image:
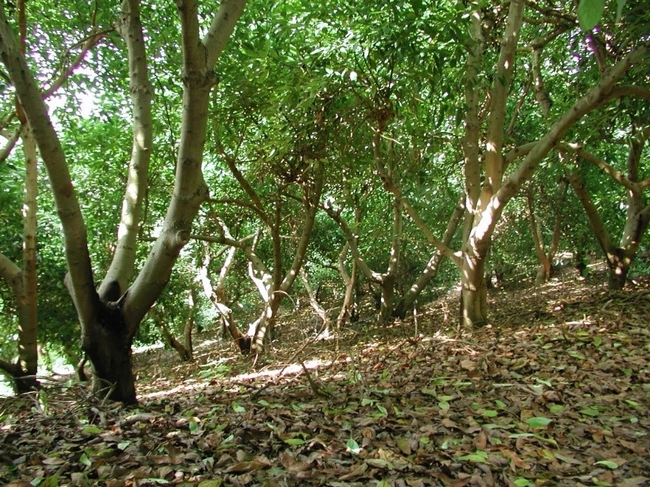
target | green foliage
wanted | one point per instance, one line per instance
(590, 12)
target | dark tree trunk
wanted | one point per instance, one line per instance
(26, 383)
(23, 381)
(108, 345)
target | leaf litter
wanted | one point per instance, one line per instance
(554, 393)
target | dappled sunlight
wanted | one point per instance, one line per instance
(190, 385)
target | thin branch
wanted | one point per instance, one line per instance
(611, 171)
(11, 143)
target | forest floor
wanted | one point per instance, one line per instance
(556, 392)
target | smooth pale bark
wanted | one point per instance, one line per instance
(475, 249)
(23, 281)
(323, 330)
(351, 239)
(25, 369)
(348, 310)
(28, 324)
(385, 164)
(122, 265)
(216, 293)
(470, 142)
(496, 192)
(74, 230)
(275, 283)
(473, 304)
(160, 320)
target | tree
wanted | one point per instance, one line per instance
(110, 315)
(619, 256)
(24, 281)
(486, 199)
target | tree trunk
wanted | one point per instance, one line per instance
(545, 268)
(24, 282)
(348, 308)
(618, 264)
(108, 345)
(431, 269)
(473, 298)
(387, 286)
(183, 351)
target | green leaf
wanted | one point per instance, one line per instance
(84, 460)
(489, 413)
(294, 441)
(500, 404)
(352, 446)
(211, 483)
(123, 445)
(538, 422)
(91, 430)
(608, 463)
(620, 5)
(238, 408)
(556, 408)
(522, 482)
(194, 426)
(52, 481)
(593, 412)
(575, 354)
(478, 456)
(589, 13)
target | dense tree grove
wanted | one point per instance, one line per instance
(174, 166)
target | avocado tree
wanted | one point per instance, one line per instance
(111, 314)
(492, 174)
(619, 255)
(23, 281)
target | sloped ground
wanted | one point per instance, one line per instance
(554, 393)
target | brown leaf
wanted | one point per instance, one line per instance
(516, 461)
(633, 482)
(468, 364)
(250, 466)
(480, 441)
(630, 445)
(356, 472)
(292, 465)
